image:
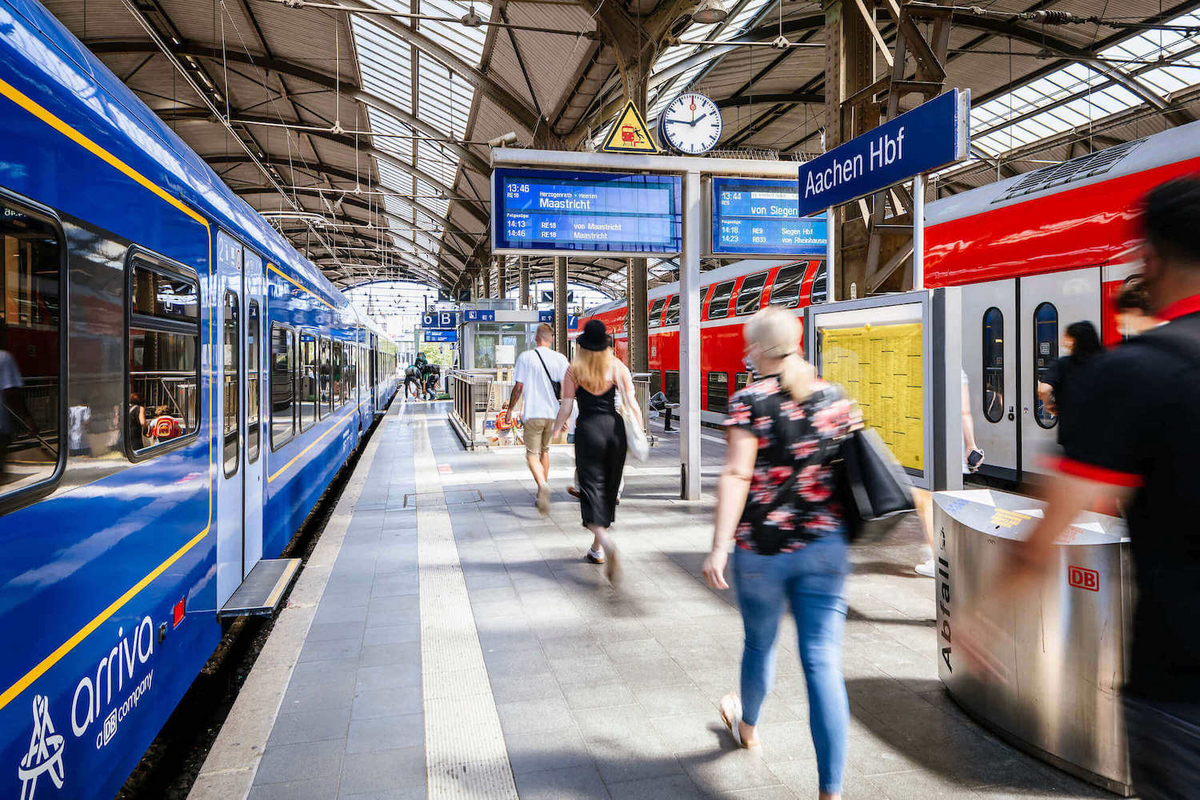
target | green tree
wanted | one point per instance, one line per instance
(438, 353)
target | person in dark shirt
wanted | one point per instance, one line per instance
(1138, 415)
(1082, 343)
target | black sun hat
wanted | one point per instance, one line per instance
(594, 336)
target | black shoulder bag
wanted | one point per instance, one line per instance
(555, 385)
(875, 491)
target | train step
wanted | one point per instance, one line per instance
(262, 590)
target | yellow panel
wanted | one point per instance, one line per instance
(880, 367)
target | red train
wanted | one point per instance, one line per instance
(1032, 254)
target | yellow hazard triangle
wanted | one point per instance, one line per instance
(629, 134)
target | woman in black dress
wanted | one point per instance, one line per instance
(1055, 383)
(593, 381)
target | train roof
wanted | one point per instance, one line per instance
(723, 273)
(164, 158)
(1128, 158)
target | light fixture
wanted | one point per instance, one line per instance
(710, 12)
(507, 140)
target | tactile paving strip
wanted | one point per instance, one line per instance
(465, 755)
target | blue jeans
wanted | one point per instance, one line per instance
(810, 580)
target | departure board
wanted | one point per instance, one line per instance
(585, 213)
(753, 216)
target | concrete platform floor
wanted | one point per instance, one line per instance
(462, 648)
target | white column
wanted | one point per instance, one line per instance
(689, 340)
(918, 257)
(830, 251)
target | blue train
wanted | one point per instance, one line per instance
(179, 388)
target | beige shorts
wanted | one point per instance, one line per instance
(538, 433)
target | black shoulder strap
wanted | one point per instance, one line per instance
(544, 367)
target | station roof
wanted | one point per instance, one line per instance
(360, 127)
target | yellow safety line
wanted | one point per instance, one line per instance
(316, 441)
(62, 127)
(297, 284)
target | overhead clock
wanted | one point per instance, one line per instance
(691, 124)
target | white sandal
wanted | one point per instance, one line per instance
(731, 715)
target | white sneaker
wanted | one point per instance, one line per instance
(925, 569)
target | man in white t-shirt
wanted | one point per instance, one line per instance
(538, 377)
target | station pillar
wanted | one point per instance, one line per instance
(501, 276)
(689, 341)
(560, 305)
(523, 290)
(636, 324)
(485, 279)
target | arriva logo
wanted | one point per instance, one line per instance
(45, 751)
(93, 699)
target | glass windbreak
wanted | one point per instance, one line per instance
(655, 316)
(785, 291)
(1045, 352)
(672, 317)
(993, 365)
(253, 382)
(283, 421)
(29, 350)
(718, 307)
(231, 380)
(308, 380)
(750, 295)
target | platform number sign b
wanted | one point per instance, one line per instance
(439, 320)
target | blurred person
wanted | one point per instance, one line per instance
(135, 428)
(11, 384)
(538, 376)
(1139, 432)
(777, 502)
(412, 381)
(972, 459)
(1133, 308)
(592, 382)
(1056, 389)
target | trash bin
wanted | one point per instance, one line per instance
(1042, 670)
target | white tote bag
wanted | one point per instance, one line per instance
(635, 437)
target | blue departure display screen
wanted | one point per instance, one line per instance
(586, 212)
(755, 216)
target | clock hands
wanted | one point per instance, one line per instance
(692, 123)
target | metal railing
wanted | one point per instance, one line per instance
(469, 404)
(641, 388)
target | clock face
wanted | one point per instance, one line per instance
(691, 124)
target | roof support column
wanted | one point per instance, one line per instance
(523, 288)
(501, 275)
(560, 305)
(485, 278)
(689, 341)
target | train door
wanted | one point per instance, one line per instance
(253, 462)
(230, 366)
(1049, 303)
(989, 335)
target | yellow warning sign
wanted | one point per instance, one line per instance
(629, 134)
(880, 367)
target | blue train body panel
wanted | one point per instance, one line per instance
(95, 570)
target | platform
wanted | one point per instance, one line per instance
(446, 640)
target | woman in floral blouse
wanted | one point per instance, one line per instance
(778, 502)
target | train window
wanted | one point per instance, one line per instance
(231, 379)
(283, 388)
(335, 371)
(1045, 352)
(325, 390)
(308, 380)
(785, 291)
(253, 382)
(750, 295)
(671, 387)
(718, 306)
(163, 357)
(672, 312)
(740, 381)
(718, 392)
(993, 365)
(655, 317)
(32, 257)
(703, 295)
(820, 286)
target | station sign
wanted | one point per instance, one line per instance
(439, 319)
(479, 315)
(548, 317)
(445, 337)
(550, 212)
(931, 136)
(760, 217)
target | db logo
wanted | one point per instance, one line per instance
(1083, 578)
